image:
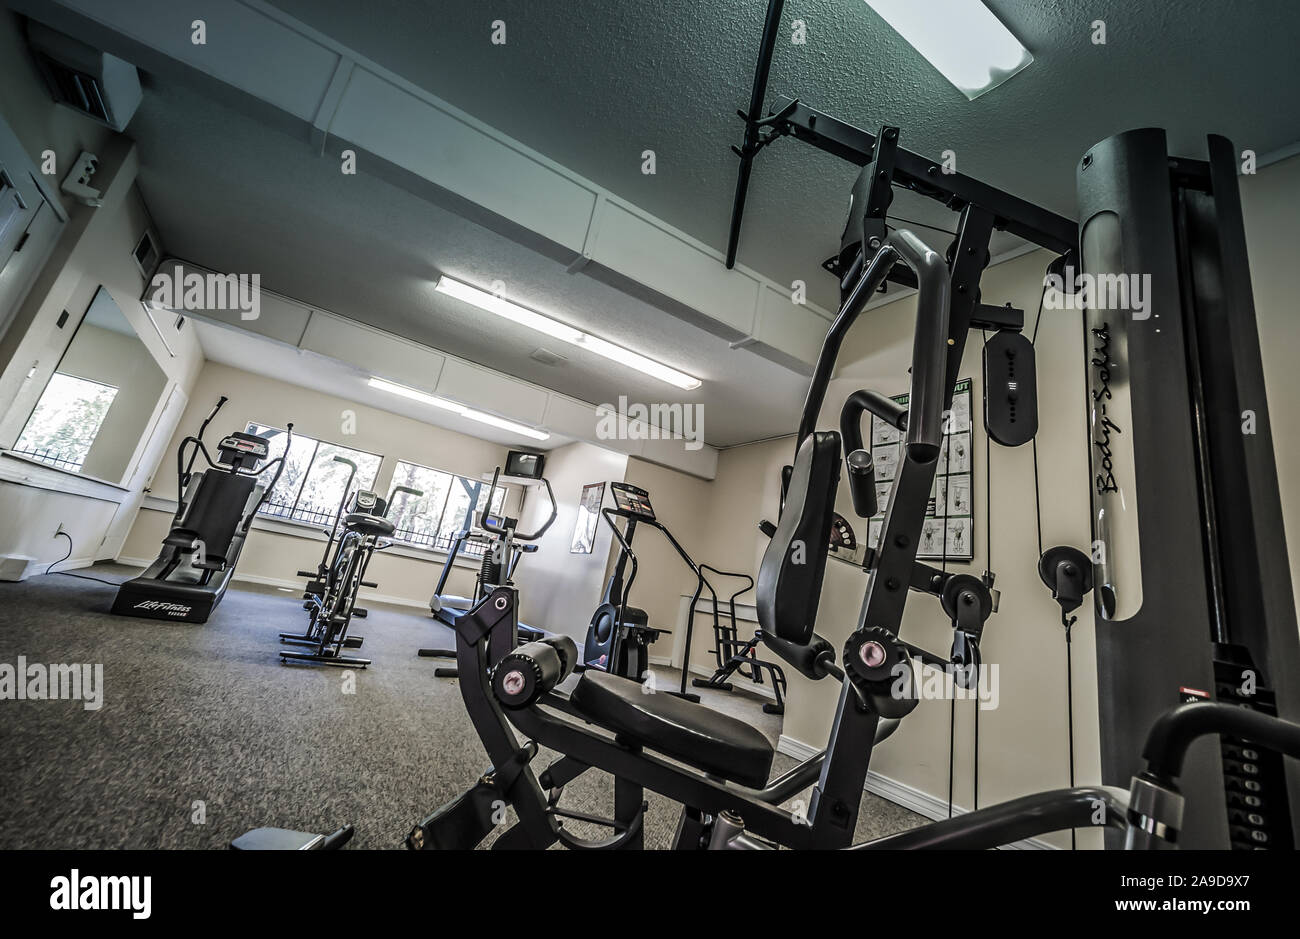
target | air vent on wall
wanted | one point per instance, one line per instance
(146, 254)
(85, 79)
(546, 356)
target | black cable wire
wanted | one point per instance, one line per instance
(952, 743)
(988, 566)
(70, 573)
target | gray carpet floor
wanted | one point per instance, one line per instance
(204, 733)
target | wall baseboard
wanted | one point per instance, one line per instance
(909, 797)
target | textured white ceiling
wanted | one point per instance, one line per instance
(251, 353)
(231, 194)
(593, 83)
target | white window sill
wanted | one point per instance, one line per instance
(294, 528)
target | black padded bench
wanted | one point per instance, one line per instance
(706, 739)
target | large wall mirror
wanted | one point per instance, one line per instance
(97, 405)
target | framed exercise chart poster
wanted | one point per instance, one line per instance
(948, 529)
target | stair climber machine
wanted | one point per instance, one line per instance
(331, 595)
(213, 515)
(503, 545)
(619, 635)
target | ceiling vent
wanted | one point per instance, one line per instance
(546, 356)
(97, 84)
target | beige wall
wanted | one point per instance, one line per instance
(559, 591)
(274, 553)
(1271, 204)
(123, 362)
(680, 502)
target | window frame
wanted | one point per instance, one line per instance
(310, 463)
(468, 549)
(58, 462)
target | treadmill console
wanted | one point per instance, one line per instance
(633, 500)
(242, 450)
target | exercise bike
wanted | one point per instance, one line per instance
(331, 595)
(214, 510)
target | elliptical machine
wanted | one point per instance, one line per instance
(620, 635)
(213, 514)
(331, 596)
(503, 546)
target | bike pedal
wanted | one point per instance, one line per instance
(360, 613)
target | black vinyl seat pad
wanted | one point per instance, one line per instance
(368, 524)
(700, 736)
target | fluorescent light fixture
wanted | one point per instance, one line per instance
(961, 38)
(557, 330)
(414, 395)
(455, 408)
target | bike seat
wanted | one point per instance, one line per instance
(368, 524)
(700, 736)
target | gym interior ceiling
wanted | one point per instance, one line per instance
(234, 193)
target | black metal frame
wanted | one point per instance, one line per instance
(333, 605)
(497, 565)
(154, 594)
(1215, 590)
(736, 656)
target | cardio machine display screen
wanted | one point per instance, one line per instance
(632, 499)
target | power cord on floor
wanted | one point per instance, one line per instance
(50, 569)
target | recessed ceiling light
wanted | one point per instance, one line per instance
(961, 38)
(456, 408)
(557, 330)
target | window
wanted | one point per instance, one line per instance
(432, 522)
(312, 484)
(66, 421)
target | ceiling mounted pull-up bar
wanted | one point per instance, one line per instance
(753, 124)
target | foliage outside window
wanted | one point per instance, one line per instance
(66, 421)
(312, 484)
(447, 507)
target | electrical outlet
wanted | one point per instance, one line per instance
(60, 530)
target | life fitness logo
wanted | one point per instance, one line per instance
(171, 609)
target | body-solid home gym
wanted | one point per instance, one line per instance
(698, 426)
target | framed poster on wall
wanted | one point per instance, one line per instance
(584, 527)
(948, 531)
